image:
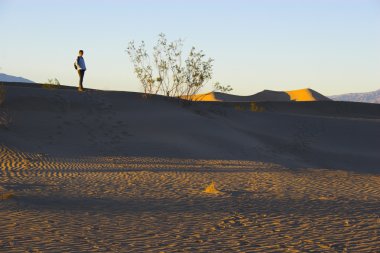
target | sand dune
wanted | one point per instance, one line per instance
(98, 122)
(263, 96)
(113, 172)
(306, 95)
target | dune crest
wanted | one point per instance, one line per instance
(301, 95)
(209, 97)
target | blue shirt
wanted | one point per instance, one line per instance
(81, 65)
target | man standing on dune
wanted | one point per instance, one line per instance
(80, 66)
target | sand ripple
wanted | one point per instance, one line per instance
(140, 204)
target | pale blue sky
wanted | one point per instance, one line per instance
(332, 46)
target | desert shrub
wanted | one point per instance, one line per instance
(222, 88)
(165, 72)
(256, 108)
(253, 107)
(51, 84)
(239, 108)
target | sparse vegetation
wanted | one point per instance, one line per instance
(221, 88)
(253, 107)
(165, 72)
(52, 84)
(239, 108)
(256, 108)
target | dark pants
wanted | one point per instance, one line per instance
(81, 76)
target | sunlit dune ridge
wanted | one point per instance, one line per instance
(300, 95)
(207, 97)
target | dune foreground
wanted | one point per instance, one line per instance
(114, 172)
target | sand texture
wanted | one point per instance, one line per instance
(113, 172)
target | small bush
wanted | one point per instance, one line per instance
(256, 108)
(239, 108)
(166, 71)
(222, 88)
(253, 107)
(51, 84)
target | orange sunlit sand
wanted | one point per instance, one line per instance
(302, 95)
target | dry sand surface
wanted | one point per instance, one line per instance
(113, 172)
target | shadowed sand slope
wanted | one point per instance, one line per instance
(263, 96)
(65, 122)
(113, 172)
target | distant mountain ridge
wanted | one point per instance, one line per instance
(15, 79)
(365, 97)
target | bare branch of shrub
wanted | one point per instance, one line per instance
(221, 88)
(165, 72)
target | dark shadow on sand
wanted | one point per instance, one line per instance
(229, 202)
